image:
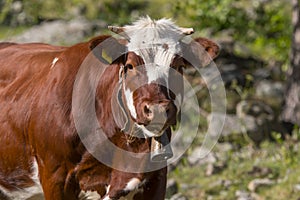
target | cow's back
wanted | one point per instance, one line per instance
(24, 68)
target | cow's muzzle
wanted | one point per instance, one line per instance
(158, 116)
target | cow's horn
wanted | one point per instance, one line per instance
(116, 29)
(187, 31)
(120, 31)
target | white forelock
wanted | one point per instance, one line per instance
(157, 42)
(148, 33)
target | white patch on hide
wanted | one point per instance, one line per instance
(53, 62)
(88, 195)
(107, 189)
(132, 184)
(34, 191)
(107, 198)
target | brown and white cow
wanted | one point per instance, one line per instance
(41, 150)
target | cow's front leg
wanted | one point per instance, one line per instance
(122, 184)
(53, 181)
(154, 187)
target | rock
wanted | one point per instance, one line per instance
(227, 183)
(254, 184)
(262, 73)
(214, 168)
(16, 7)
(224, 147)
(260, 171)
(59, 32)
(172, 188)
(254, 118)
(263, 116)
(178, 196)
(221, 183)
(254, 108)
(262, 113)
(209, 170)
(297, 188)
(267, 89)
(230, 73)
(234, 124)
(196, 157)
(243, 195)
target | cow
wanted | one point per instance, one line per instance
(42, 133)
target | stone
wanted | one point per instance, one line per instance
(256, 183)
(224, 147)
(17, 7)
(172, 188)
(230, 73)
(234, 124)
(269, 89)
(196, 157)
(262, 73)
(297, 187)
(254, 108)
(60, 32)
(214, 168)
(221, 183)
(260, 171)
(243, 195)
(253, 117)
(178, 196)
(209, 170)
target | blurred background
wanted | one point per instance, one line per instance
(257, 155)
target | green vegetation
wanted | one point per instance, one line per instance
(263, 26)
(281, 159)
(6, 31)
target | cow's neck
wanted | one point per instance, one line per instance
(104, 94)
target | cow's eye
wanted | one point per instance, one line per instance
(128, 66)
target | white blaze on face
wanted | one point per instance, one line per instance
(160, 66)
(156, 42)
(129, 101)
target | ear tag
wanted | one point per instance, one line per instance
(106, 56)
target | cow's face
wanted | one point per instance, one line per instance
(149, 96)
(151, 74)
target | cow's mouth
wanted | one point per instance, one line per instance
(160, 145)
(156, 128)
(149, 131)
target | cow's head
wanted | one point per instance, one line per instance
(151, 71)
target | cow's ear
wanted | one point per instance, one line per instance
(108, 49)
(209, 46)
(200, 52)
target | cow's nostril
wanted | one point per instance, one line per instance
(147, 110)
(148, 113)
